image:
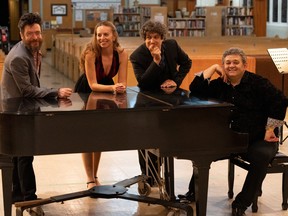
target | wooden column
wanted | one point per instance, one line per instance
(260, 17)
(190, 4)
(14, 19)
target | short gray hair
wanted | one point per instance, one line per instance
(235, 51)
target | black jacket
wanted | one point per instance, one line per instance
(150, 75)
(255, 99)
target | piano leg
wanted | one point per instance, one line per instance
(169, 176)
(117, 190)
(201, 175)
(6, 166)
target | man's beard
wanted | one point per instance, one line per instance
(33, 48)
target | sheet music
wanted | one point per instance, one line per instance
(280, 59)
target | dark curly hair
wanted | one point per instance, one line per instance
(153, 27)
(29, 19)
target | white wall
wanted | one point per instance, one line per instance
(157, 2)
(280, 30)
(205, 3)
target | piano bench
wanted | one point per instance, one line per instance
(279, 164)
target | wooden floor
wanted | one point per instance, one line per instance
(60, 174)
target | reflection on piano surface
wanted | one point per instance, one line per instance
(181, 127)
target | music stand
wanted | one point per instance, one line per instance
(280, 59)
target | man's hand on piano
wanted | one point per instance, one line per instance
(169, 90)
(168, 84)
(64, 92)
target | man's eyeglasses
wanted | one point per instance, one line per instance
(30, 34)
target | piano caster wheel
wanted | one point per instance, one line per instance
(177, 212)
(36, 211)
(144, 188)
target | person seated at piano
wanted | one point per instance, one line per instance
(259, 110)
(102, 59)
(158, 63)
(21, 78)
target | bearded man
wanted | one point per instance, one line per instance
(20, 78)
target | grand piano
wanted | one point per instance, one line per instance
(179, 126)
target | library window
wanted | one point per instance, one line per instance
(284, 11)
(277, 11)
(268, 11)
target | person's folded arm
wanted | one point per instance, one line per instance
(184, 63)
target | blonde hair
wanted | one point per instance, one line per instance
(94, 46)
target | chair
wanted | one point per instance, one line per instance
(279, 164)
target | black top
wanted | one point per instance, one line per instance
(255, 99)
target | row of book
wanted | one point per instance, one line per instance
(130, 10)
(186, 33)
(145, 11)
(239, 21)
(242, 31)
(196, 23)
(126, 18)
(239, 11)
(131, 26)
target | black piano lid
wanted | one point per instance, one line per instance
(180, 98)
(134, 98)
(78, 102)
